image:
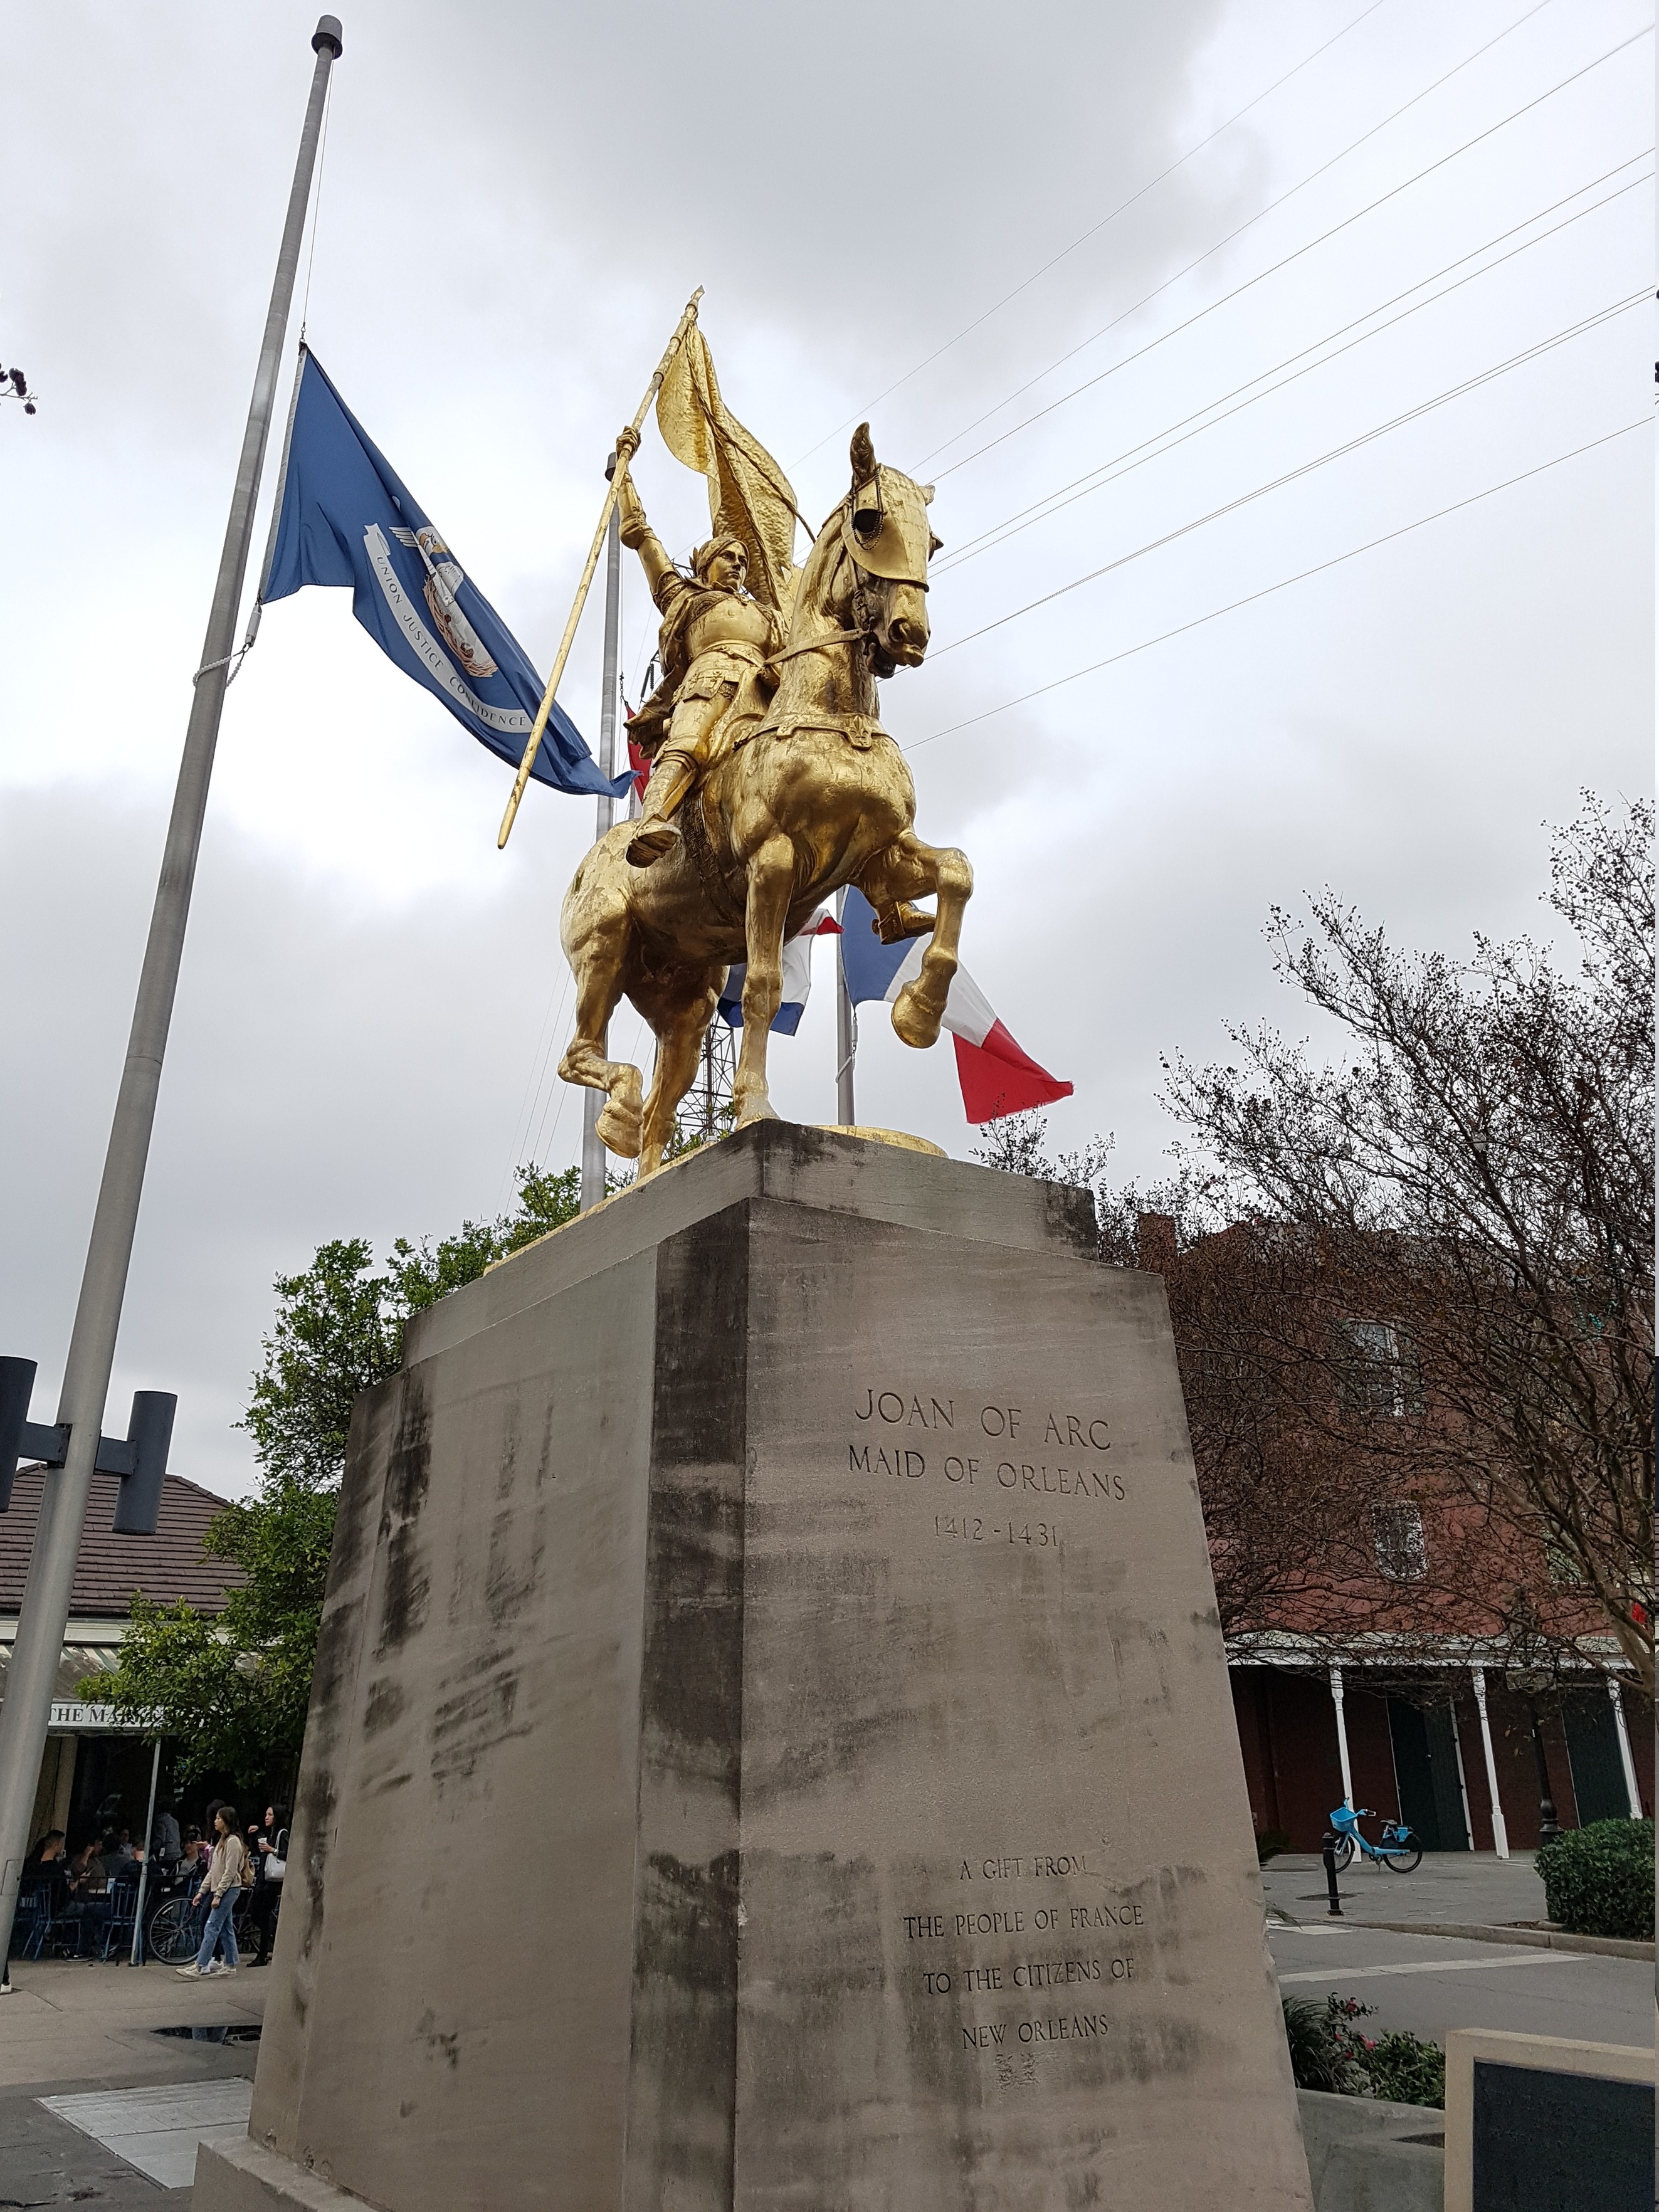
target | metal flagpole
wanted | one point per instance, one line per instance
(31, 1678)
(149, 1853)
(846, 1026)
(592, 1103)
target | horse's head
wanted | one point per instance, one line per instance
(885, 531)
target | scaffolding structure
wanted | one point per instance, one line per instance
(706, 1111)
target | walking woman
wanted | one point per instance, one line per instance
(269, 1855)
(228, 1873)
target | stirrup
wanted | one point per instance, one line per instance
(895, 922)
(650, 842)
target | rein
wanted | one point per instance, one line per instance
(864, 634)
(836, 637)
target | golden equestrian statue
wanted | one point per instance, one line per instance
(774, 782)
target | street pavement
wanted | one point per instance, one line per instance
(83, 2035)
(1431, 1983)
(1449, 1886)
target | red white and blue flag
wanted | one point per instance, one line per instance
(797, 977)
(996, 1076)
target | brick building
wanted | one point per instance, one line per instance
(1372, 1634)
(1314, 1733)
(96, 1769)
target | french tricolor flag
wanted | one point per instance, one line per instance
(996, 1076)
(797, 977)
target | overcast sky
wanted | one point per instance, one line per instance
(515, 201)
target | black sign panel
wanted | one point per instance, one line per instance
(1561, 2142)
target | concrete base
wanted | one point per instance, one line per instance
(1364, 2155)
(246, 2178)
(771, 1743)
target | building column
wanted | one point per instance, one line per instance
(68, 1746)
(1500, 1834)
(1342, 1738)
(1632, 1794)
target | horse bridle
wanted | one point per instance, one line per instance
(864, 634)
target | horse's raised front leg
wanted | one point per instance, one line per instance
(598, 956)
(908, 870)
(680, 1028)
(771, 882)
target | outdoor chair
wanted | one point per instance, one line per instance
(32, 1920)
(116, 1931)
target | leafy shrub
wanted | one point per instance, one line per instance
(1406, 2071)
(1598, 1880)
(1269, 1843)
(1328, 2052)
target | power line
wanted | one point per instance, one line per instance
(1026, 283)
(1306, 468)
(1268, 591)
(1153, 448)
(546, 1038)
(1272, 271)
(539, 1104)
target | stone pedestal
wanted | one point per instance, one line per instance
(771, 1744)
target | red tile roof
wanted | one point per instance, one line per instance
(164, 1566)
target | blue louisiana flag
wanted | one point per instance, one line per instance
(347, 520)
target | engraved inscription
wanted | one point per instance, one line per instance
(989, 1954)
(886, 1420)
(971, 1528)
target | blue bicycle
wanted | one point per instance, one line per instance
(1398, 1848)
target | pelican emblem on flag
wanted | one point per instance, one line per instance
(444, 577)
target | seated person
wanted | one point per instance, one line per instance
(86, 1873)
(46, 1871)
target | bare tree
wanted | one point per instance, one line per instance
(1470, 1192)
(1285, 1506)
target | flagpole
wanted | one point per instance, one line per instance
(32, 1675)
(589, 566)
(593, 1104)
(846, 1033)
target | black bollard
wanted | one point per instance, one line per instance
(1334, 1910)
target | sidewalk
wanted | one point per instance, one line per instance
(1450, 1888)
(81, 2033)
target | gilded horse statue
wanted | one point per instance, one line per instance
(810, 794)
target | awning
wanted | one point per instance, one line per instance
(70, 1712)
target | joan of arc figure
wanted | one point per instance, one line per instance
(715, 644)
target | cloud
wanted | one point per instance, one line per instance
(514, 205)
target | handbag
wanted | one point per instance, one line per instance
(276, 1859)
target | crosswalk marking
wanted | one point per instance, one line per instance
(1522, 1957)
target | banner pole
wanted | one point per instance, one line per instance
(592, 1103)
(589, 567)
(32, 1675)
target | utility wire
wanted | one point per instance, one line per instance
(1306, 468)
(1166, 441)
(559, 1088)
(532, 1089)
(1283, 584)
(317, 203)
(1324, 237)
(1026, 283)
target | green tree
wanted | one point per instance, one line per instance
(234, 1687)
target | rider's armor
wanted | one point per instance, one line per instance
(714, 644)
